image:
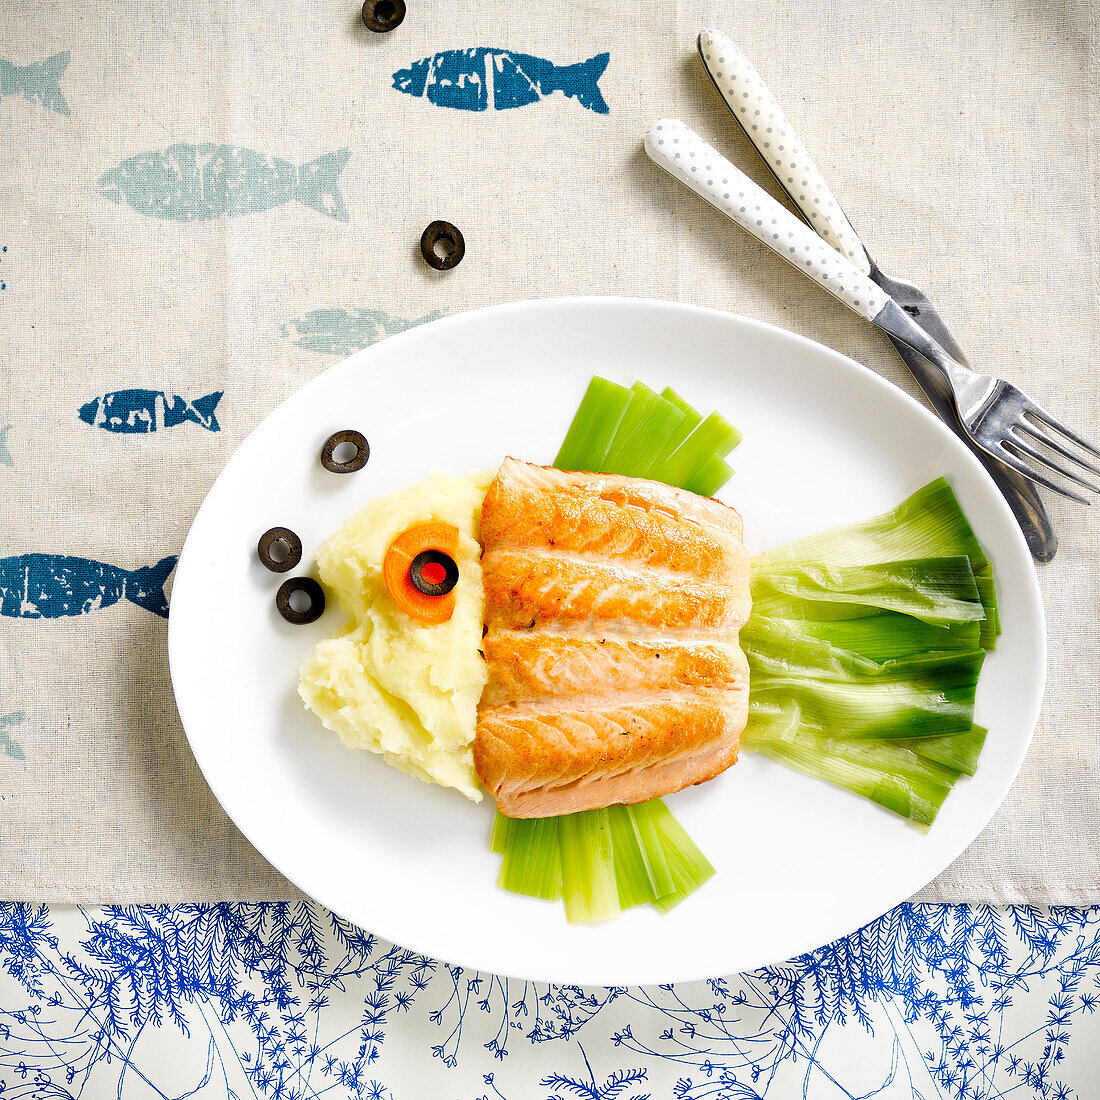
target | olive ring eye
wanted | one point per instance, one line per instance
(279, 549)
(442, 246)
(381, 16)
(433, 573)
(309, 605)
(347, 440)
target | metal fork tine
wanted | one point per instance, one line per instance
(1002, 453)
(1046, 460)
(1040, 414)
(1054, 445)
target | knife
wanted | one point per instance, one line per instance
(759, 115)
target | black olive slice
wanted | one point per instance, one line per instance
(440, 560)
(442, 246)
(279, 549)
(381, 16)
(312, 591)
(358, 460)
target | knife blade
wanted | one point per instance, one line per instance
(759, 115)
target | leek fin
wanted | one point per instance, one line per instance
(594, 425)
(588, 882)
(532, 859)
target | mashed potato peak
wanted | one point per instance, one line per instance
(387, 683)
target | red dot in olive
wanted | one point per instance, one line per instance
(434, 573)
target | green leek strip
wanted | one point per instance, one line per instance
(929, 523)
(991, 628)
(893, 637)
(587, 867)
(786, 647)
(532, 859)
(673, 398)
(648, 420)
(501, 836)
(662, 450)
(715, 437)
(688, 866)
(594, 425)
(709, 476)
(653, 848)
(942, 703)
(885, 772)
(958, 750)
(636, 879)
(935, 590)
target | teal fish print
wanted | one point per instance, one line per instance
(38, 83)
(483, 77)
(342, 331)
(8, 744)
(5, 454)
(140, 411)
(48, 586)
(199, 182)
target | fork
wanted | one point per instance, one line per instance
(997, 417)
(754, 108)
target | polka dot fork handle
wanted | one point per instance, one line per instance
(685, 155)
(758, 113)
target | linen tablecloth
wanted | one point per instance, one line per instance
(960, 138)
(204, 206)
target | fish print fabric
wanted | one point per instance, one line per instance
(481, 78)
(49, 586)
(199, 182)
(342, 331)
(8, 744)
(130, 411)
(38, 83)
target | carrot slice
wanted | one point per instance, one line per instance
(431, 535)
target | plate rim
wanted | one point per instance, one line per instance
(684, 309)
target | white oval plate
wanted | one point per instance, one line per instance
(799, 863)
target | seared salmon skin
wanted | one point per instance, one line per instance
(612, 610)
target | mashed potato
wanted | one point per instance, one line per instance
(387, 683)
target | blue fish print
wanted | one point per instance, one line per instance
(8, 744)
(48, 586)
(37, 83)
(342, 331)
(199, 182)
(5, 454)
(482, 77)
(129, 411)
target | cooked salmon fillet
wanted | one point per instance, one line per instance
(612, 607)
(525, 666)
(543, 761)
(529, 588)
(569, 517)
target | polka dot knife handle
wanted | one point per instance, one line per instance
(685, 155)
(760, 116)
